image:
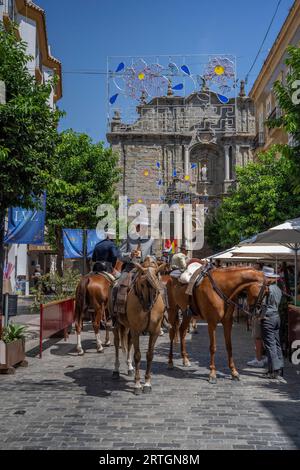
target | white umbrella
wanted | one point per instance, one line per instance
(287, 235)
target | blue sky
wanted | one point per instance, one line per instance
(82, 33)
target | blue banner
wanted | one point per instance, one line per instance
(73, 243)
(26, 226)
(92, 240)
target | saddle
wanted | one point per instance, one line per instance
(188, 273)
(120, 296)
(197, 278)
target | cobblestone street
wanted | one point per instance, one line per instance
(66, 401)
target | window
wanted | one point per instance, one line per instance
(11, 9)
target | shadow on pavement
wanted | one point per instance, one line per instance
(98, 382)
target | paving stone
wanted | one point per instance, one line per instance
(72, 402)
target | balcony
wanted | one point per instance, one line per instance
(259, 140)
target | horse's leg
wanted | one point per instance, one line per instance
(99, 310)
(194, 326)
(212, 349)
(173, 320)
(116, 372)
(137, 361)
(183, 331)
(227, 325)
(152, 340)
(107, 340)
(78, 327)
(130, 367)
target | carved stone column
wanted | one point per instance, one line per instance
(186, 161)
(227, 163)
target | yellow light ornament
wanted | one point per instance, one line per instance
(141, 76)
(187, 178)
(219, 70)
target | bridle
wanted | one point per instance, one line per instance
(228, 301)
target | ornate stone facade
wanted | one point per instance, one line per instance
(183, 149)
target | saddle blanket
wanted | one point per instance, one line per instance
(185, 277)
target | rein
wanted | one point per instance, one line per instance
(228, 301)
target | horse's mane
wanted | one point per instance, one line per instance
(236, 268)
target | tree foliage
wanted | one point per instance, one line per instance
(262, 199)
(288, 99)
(84, 177)
(27, 128)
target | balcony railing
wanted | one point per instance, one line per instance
(259, 140)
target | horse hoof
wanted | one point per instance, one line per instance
(195, 332)
(100, 351)
(147, 389)
(116, 375)
(187, 364)
(80, 352)
(130, 373)
(170, 366)
(212, 380)
(236, 378)
(106, 345)
(137, 391)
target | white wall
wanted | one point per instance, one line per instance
(48, 75)
(27, 29)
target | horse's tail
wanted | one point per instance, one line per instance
(177, 326)
(81, 304)
(123, 335)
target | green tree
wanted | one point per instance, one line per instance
(262, 199)
(288, 99)
(27, 132)
(84, 176)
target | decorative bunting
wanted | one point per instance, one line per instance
(113, 98)
(185, 69)
(120, 67)
(178, 87)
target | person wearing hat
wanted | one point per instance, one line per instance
(137, 248)
(106, 253)
(270, 323)
(179, 260)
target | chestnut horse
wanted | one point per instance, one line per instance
(144, 313)
(92, 293)
(209, 305)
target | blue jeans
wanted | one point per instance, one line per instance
(270, 335)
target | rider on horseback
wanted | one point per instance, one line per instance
(106, 253)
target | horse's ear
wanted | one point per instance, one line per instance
(161, 268)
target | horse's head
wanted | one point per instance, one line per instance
(256, 291)
(147, 283)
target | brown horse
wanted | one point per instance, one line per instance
(208, 305)
(144, 313)
(92, 293)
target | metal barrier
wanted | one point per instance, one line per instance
(55, 317)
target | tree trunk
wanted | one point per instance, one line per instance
(2, 224)
(60, 250)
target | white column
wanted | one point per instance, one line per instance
(238, 156)
(226, 147)
(186, 161)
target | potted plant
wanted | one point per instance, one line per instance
(12, 348)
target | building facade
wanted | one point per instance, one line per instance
(183, 149)
(274, 68)
(30, 23)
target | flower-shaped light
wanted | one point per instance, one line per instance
(221, 72)
(144, 78)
